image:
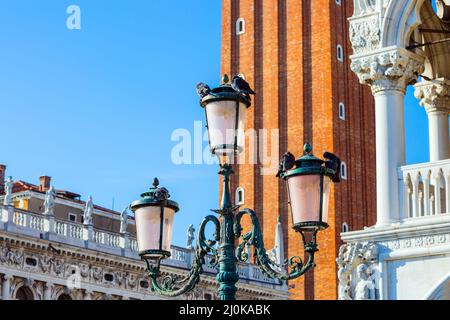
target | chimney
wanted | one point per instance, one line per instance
(2, 178)
(44, 183)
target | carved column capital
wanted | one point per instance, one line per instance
(49, 286)
(8, 277)
(434, 95)
(394, 69)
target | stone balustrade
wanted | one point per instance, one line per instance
(426, 189)
(50, 228)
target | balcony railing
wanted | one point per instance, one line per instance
(426, 189)
(76, 234)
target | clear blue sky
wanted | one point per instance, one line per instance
(95, 108)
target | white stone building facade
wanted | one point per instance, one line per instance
(47, 258)
(406, 255)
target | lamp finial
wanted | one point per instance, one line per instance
(307, 148)
(225, 79)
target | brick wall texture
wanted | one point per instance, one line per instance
(288, 54)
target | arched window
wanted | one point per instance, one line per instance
(343, 170)
(64, 297)
(345, 227)
(341, 111)
(240, 26)
(340, 53)
(24, 293)
(239, 196)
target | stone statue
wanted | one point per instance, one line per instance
(364, 289)
(344, 271)
(190, 236)
(7, 201)
(49, 202)
(124, 220)
(88, 209)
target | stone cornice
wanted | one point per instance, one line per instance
(431, 226)
(388, 69)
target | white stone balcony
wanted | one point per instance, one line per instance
(426, 189)
(36, 225)
(408, 258)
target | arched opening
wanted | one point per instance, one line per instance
(239, 196)
(340, 53)
(341, 111)
(441, 291)
(345, 227)
(24, 293)
(64, 297)
(240, 26)
(343, 170)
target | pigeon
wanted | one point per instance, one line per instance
(287, 163)
(203, 90)
(240, 85)
(334, 163)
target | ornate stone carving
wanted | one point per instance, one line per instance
(44, 263)
(365, 287)
(357, 271)
(417, 242)
(84, 270)
(196, 294)
(15, 257)
(57, 266)
(390, 70)
(365, 35)
(3, 253)
(131, 281)
(120, 277)
(363, 7)
(434, 95)
(97, 274)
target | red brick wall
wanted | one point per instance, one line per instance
(288, 54)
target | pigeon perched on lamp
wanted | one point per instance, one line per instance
(334, 163)
(287, 163)
(203, 90)
(240, 85)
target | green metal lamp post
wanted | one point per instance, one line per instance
(308, 182)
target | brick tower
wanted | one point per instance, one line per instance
(295, 54)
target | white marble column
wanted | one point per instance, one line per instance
(6, 286)
(88, 295)
(434, 96)
(48, 288)
(388, 74)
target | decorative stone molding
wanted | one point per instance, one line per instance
(88, 274)
(394, 69)
(363, 7)
(417, 242)
(357, 263)
(365, 35)
(434, 95)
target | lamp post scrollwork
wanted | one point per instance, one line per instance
(308, 181)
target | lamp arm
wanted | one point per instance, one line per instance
(294, 265)
(172, 286)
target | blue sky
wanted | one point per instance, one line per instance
(95, 108)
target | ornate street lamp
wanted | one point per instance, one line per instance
(225, 118)
(308, 180)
